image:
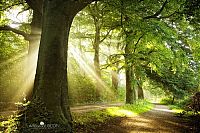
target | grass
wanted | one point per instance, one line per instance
(98, 117)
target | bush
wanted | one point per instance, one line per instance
(30, 119)
(166, 101)
(194, 105)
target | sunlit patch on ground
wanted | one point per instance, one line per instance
(116, 111)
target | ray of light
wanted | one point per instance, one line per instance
(88, 69)
(13, 59)
(28, 75)
(18, 78)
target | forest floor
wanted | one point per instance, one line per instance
(159, 120)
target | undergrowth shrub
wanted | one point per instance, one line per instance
(167, 101)
(81, 90)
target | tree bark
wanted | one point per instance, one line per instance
(130, 91)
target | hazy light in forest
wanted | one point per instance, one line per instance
(18, 77)
(89, 70)
(30, 71)
(28, 76)
(13, 59)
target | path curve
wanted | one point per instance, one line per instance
(159, 120)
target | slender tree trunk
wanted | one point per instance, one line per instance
(51, 76)
(96, 58)
(139, 88)
(115, 80)
(97, 24)
(130, 92)
(96, 48)
(140, 92)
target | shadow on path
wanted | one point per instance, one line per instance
(158, 120)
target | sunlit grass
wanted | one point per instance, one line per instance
(177, 110)
(117, 111)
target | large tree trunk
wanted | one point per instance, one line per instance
(51, 76)
(50, 84)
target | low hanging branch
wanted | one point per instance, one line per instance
(19, 32)
(158, 12)
(138, 42)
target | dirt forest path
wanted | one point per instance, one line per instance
(158, 120)
(93, 107)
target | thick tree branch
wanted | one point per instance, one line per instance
(19, 32)
(158, 12)
(36, 5)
